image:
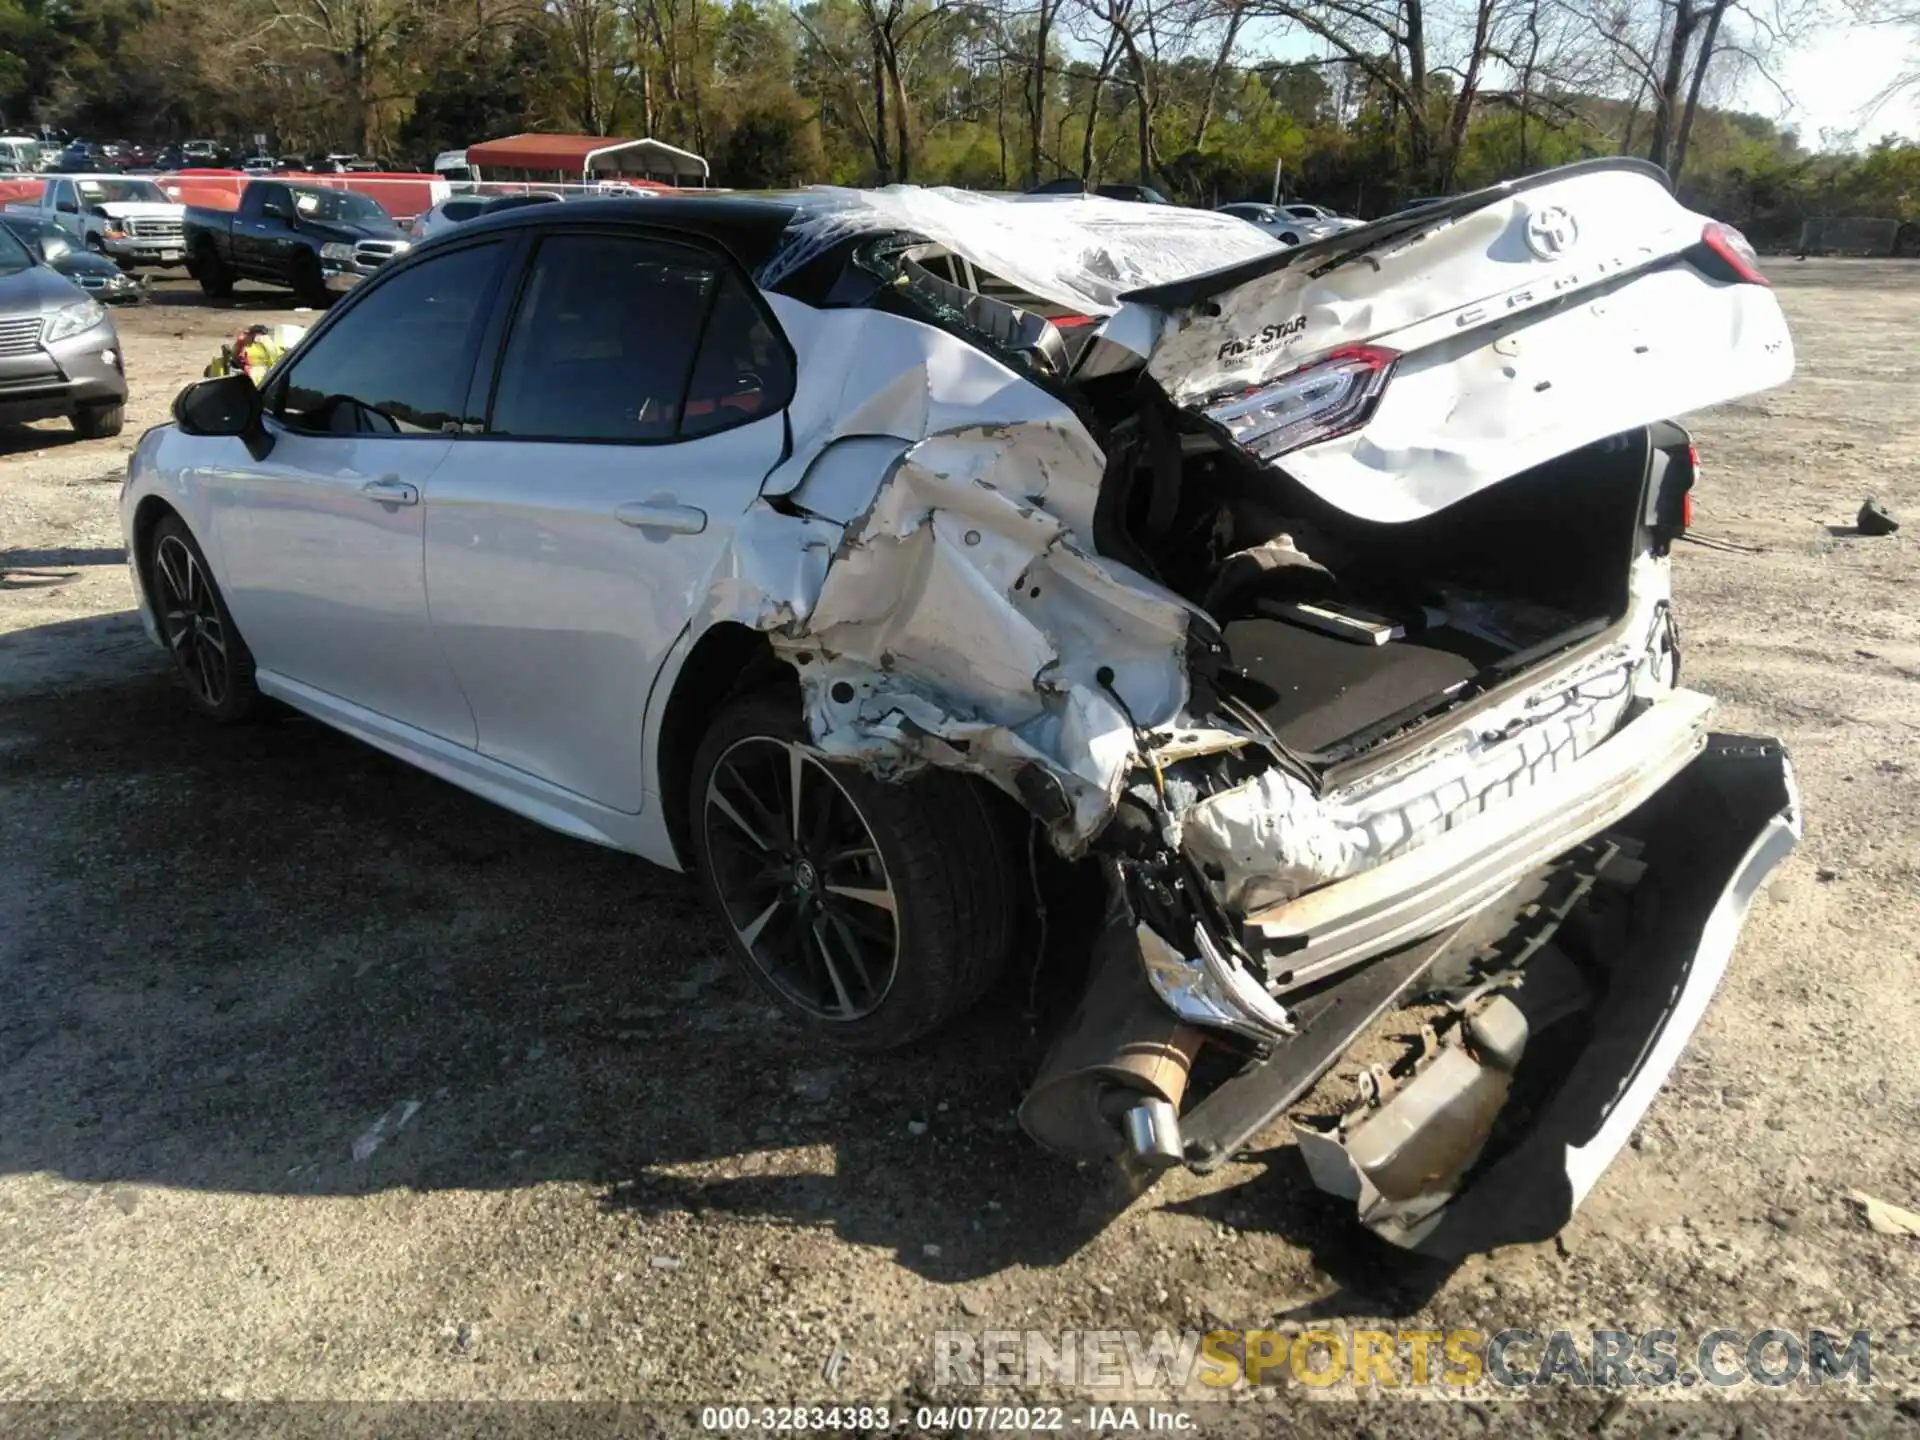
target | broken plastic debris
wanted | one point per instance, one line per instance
(1875, 519)
(1886, 1219)
(383, 1129)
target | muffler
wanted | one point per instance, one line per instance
(1114, 1080)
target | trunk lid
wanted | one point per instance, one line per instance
(1443, 349)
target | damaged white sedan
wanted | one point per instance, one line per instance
(842, 547)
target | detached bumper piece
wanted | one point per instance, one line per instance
(1532, 1034)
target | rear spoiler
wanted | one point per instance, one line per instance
(1335, 250)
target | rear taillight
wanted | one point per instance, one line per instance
(1334, 395)
(1686, 500)
(1734, 249)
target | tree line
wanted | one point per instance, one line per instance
(1358, 103)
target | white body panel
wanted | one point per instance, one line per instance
(324, 574)
(555, 603)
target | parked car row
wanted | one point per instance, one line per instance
(1293, 223)
(40, 154)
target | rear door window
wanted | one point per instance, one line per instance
(636, 339)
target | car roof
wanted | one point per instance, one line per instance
(748, 226)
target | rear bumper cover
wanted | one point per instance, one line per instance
(1453, 875)
(1704, 836)
(1709, 841)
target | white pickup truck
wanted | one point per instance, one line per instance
(127, 218)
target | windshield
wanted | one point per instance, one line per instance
(43, 235)
(339, 205)
(14, 257)
(120, 192)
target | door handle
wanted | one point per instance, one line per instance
(662, 515)
(391, 491)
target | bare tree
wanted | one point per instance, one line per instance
(1386, 42)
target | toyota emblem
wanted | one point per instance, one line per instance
(1551, 232)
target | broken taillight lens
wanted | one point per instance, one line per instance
(1334, 395)
(1735, 250)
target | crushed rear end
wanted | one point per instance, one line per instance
(1420, 477)
(1322, 602)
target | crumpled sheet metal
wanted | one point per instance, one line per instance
(1271, 839)
(924, 561)
(1082, 252)
(961, 624)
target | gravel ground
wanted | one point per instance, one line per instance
(226, 955)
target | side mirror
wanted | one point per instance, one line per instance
(98, 210)
(224, 405)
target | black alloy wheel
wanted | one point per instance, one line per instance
(804, 885)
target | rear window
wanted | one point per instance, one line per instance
(956, 270)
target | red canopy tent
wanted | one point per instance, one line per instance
(584, 159)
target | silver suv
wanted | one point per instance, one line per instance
(59, 352)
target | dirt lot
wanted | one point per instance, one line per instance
(225, 955)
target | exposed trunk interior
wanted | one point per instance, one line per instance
(1338, 630)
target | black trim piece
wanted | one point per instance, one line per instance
(693, 355)
(746, 227)
(1329, 1022)
(1336, 250)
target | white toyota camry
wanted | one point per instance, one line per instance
(845, 547)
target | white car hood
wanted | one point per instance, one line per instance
(1515, 344)
(142, 210)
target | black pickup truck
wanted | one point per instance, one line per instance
(317, 241)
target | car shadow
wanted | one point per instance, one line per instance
(270, 959)
(1371, 1278)
(44, 569)
(15, 439)
(64, 555)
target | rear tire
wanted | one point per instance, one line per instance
(208, 653)
(886, 911)
(216, 280)
(99, 422)
(310, 286)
